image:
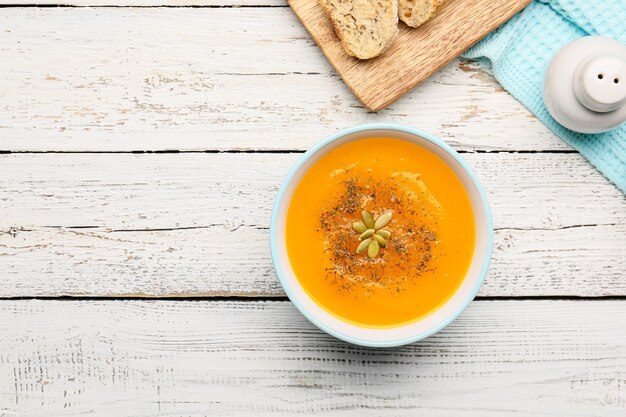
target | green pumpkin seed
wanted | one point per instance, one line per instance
(382, 220)
(359, 227)
(382, 242)
(373, 236)
(363, 245)
(366, 234)
(368, 219)
(373, 249)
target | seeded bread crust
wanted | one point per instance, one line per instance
(365, 27)
(417, 12)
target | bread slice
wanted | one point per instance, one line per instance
(417, 12)
(366, 27)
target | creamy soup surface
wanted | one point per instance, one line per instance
(422, 252)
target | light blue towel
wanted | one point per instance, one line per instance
(521, 49)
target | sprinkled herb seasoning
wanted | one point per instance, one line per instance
(408, 244)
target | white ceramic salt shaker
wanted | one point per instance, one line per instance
(585, 85)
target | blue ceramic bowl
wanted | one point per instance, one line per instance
(433, 322)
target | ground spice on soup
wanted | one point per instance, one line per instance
(409, 250)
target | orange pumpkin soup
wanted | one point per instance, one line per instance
(380, 232)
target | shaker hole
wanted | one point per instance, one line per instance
(600, 76)
(616, 80)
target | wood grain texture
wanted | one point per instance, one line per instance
(146, 225)
(539, 358)
(415, 55)
(167, 79)
(583, 261)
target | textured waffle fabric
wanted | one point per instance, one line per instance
(521, 49)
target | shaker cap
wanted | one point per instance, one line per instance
(585, 85)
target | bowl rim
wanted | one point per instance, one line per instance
(274, 238)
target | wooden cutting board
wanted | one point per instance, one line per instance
(415, 54)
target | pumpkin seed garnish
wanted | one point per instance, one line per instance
(359, 227)
(382, 242)
(382, 221)
(366, 234)
(363, 245)
(368, 219)
(373, 249)
(373, 236)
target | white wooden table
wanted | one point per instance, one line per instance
(133, 137)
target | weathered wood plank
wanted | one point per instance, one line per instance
(580, 261)
(155, 191)
(122, 224)
(121, 358)
(221, 78)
